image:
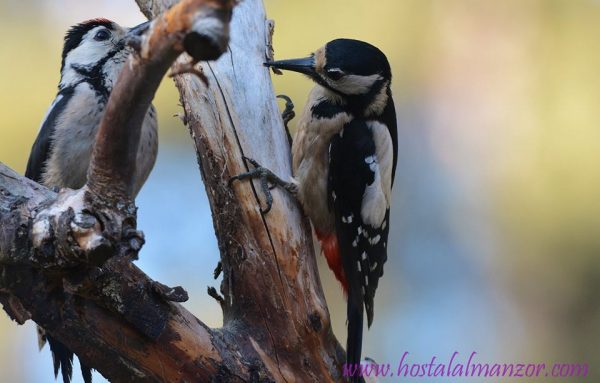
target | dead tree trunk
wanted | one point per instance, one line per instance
(65, 259)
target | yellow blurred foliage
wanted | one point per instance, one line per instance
(512, 91)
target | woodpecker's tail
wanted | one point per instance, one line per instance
(355, 332)
(86, 372)
(63, 361)
(62, 358)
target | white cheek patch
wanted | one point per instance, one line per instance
(87, 53)
(355, 84)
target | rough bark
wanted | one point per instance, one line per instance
(65, 259)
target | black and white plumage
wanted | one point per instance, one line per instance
(93, 55)
(343, 160)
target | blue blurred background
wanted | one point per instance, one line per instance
(496, 218)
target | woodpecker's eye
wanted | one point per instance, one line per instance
(335, 74)
(102, 35)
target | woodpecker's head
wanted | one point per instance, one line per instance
(95, 47)
(352, 69)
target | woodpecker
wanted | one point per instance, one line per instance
(93, 54)
(344, 156)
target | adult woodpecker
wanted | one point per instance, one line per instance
(343, 161)
(93, 54)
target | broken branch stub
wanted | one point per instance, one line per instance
(200, 27)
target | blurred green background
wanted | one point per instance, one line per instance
(496, 219)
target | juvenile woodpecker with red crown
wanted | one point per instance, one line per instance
(94, 53)
(344, 156)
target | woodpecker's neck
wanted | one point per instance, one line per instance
(321, 92)
(373, 103)
(370, 104)
(100, 75)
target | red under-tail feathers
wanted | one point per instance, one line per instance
(331, 250)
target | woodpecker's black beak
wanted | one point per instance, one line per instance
(138, 30)
(305, 65)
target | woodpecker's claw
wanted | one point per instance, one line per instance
(252, 161)
(266, 176)
(287, 115)
(218, 270)
(212, 292)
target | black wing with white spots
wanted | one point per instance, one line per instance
(357, 199)
(353, 171)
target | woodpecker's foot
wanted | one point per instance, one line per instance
(266, 177)
(218, 270)
(212, 292)
(170, 294)
(287, 115)
(189, 68)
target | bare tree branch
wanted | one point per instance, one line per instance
(65, 259)
(113, 162)
(52, 245)
(270, 279)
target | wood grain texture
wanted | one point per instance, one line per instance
(65, 258)
(271, 281)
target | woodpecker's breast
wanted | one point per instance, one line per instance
(320, 121)
(73, 140)
(147, 150)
